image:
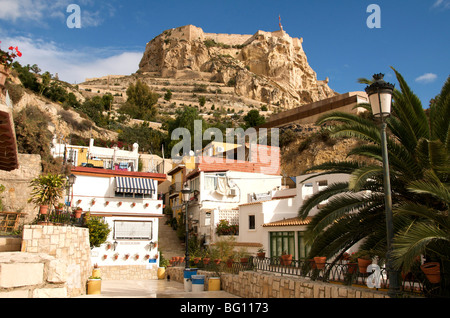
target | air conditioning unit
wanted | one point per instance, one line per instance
(233, 192)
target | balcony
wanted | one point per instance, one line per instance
(175, 187)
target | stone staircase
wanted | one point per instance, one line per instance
(168, 242)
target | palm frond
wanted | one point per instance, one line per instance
(360, 176)
(318, 197)
(414, 241)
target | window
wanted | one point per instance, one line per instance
(133, 230)
(132, 195)
(251, 222)
(211, 181)
(307, 190)
(281, 242)
(194, 184)
(303, 249)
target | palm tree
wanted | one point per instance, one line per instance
(355, 210)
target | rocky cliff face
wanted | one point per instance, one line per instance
(270, 67)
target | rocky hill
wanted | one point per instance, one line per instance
(232, 71)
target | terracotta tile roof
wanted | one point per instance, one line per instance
(289, 222)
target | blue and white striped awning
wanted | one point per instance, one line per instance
(135, 185)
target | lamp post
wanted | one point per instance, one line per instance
(186, 192)
(380, 98)
(70, 181)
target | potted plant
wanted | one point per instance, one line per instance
(320, 262)
(77, 212)
(285, 258)
(46, 190)
(116, 256)
(230, 262)
(133, 204)
(106, 203)
(6, 59)
(364, 260)
(119, 203)
(127, 256)
(96, 271)
(432, 271)
(94, 285)
(217, 261)
(59, 208)
(93, 201)
(261, 254)
(136, 257)
(206, 260)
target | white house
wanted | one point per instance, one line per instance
(128, 202)
(101, 157)
(273, 219)
(219, 187)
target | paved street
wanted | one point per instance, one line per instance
(151, 289)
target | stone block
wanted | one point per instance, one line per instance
(57, 272)
(20, 293)
(21, 274)
(60, 292)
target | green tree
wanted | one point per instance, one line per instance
(168, 95)
(355, 210)
(253, 119)
(184, 118)
(141, 102)
(149, 140)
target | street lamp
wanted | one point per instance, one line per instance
(380, 98)
(70, 181)
(186, 192)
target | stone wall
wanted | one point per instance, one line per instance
(265, 285)
(68, 244)
(17, 189)
(32, 275)
(129, 272)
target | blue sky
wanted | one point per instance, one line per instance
(414, 36)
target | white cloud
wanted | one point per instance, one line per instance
(76, 65)
(426, 78)
(441, 4)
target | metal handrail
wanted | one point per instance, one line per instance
(412, 283)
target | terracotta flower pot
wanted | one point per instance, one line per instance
(217, 261)
(43, 209)
(286, 259)
(77, 213)
(320, 262)
(432, 271)
(206, 260)
(362, 264)
(261, 255)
